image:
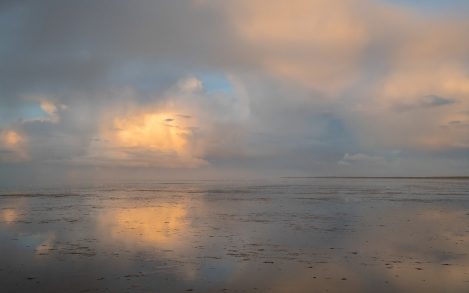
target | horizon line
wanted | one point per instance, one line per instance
(377, 177)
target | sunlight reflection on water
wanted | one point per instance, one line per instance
(288, 236)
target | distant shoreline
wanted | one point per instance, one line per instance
(377, 177)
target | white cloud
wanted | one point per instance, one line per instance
(349, 159)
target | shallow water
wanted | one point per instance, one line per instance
(291, 235)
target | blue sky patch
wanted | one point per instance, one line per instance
(215, 82)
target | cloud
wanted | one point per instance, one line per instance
(435, 101)
(147, 138)
(12, 146)
(177, 129)
(122, 84)
(313, 43)
(425, 102)
(349, 159)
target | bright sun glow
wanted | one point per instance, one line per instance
(155, 131)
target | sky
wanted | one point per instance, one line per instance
(205, 89)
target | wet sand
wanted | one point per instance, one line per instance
(289, 235)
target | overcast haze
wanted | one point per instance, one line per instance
(94, 90)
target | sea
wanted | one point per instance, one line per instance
(278, 235)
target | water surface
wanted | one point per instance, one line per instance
(288, 235)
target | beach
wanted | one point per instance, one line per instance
(283, 235)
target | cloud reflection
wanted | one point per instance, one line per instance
(9, 216)
(161, 226)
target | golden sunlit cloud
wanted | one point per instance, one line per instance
(154, 138)
(166, 133)
(51, 109)
(13, 145)
(12, 138)
(48, 107)
(163, 132)
(315, 43)
(177, 130)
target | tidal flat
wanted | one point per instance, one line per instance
(285, 235)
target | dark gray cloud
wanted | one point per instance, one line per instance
(429, 101)
(56, 46)
(436, 101)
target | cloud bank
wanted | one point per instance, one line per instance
(208, 87)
